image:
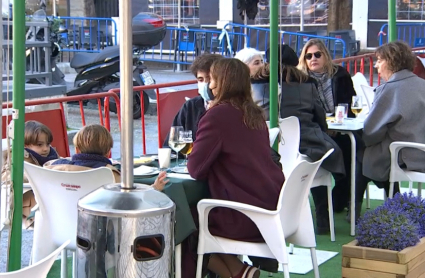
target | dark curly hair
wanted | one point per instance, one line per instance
(203, 63)
(398, 55)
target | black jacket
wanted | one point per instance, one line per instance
(188, 116)
(302, 101)
(343, 89)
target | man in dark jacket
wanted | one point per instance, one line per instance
(191, 111)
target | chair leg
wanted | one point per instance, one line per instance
(64, 265)
(419, 189)
(178, 261)
(314, 261)
(367, 197)
(74, 264)
(331, 213)
(291, 248)
(411, 186)
(390, 195)
(199, 266)
(285, 270)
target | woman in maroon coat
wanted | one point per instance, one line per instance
(232, 152)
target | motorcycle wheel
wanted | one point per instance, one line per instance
(137, 106)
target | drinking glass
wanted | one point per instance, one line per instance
(186, 137)
(357, 105)
(174, 140)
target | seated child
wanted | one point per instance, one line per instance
(93, 144)
(37, 139)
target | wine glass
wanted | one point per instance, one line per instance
(186, 136)
(174, 140)
(357, 105)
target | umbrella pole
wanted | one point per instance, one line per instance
(18, 118)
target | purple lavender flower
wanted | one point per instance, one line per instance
(413, 206)
(387, 227)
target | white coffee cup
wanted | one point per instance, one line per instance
(164, 157)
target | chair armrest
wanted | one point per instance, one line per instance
(206, 205)
(396, 147)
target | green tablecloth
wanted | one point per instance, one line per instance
(185, 193)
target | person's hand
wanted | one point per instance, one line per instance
(331, 133)
(209, 104)
(160, 181)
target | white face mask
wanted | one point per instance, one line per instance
(203, 90)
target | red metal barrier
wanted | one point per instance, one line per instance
(352, 63)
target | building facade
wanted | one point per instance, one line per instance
(368, 15)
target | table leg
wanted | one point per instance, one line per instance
(353, 183)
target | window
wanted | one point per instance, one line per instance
(32, 6)
(411, 9)
(168, 9)
(315, 11)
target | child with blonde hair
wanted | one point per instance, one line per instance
(93, 144)
(37, 140)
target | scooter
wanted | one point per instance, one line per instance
(99, 72)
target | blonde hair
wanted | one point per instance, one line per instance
(93, 139)
(33, 130)
(329, 67)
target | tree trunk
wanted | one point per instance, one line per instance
(339, 14)
(89, 9)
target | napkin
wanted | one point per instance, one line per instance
(143, 170)
(179, 176)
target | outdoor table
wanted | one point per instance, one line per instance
(348, 127)
(185, 192)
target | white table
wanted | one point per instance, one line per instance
(348, 127)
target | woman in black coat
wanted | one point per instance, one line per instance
(334, 87)
(299, 98)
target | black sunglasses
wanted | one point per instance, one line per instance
(317, 54)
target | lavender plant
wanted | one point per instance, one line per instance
(413, 206)
(387, 227)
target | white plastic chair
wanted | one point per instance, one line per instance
(289, 152)
(369, 93)
(273, 133)
(39, 269)
(291, 221)
(397, 174)
(358, 80)
(57, 194)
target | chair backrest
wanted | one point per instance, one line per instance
(369, 93)
(289, 143)
(273, 133)
(57, 194)
(295, 190)
(398, 174)
(39, 269)
(169, 104)
(359, 79)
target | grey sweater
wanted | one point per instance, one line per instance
(397, 114)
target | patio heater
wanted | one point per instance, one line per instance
(125, 230)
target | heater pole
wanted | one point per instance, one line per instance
(126, 92)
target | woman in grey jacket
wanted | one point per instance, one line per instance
(396, 115)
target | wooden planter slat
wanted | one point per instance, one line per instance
(368, 262)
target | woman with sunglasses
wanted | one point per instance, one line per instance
(334, 86)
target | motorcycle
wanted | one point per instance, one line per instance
(99, 72)
(32, 58)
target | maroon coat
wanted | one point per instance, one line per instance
(238, 165)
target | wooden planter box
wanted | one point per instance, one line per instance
(368, 262)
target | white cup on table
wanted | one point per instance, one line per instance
(164, 157)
